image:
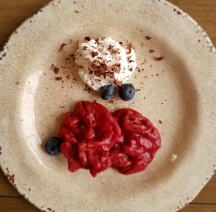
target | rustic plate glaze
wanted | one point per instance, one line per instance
(176, 89)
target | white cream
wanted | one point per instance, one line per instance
(105, 62)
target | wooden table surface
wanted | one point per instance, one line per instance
(14, 12)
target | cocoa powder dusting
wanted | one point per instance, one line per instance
(160, 122)
(17, 83)
(76, 11)
(151, 51)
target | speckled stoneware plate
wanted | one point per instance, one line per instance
(176, 89)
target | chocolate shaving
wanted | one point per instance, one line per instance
(55, 69)
(85, 47)
(112, 50)
(87, 38)
(96, 65)
(158, 58)
(138, 69)
(61, 47)
(120, 43)
(116, 68)
(104, 67)
(129, 47)
(98, 73)
(72, 55)
(76, 11)
(118, 83)
(151, 51)
(131, 61)
(108, 74)
(129, 58)
(110, 47)
(94, 54)
(148, 38)
(58, 78)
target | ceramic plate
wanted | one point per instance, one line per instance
(176, 89)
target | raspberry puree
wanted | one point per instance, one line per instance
(139, 142)
(89, 132)
(94, 139)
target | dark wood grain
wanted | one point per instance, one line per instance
(14, 12)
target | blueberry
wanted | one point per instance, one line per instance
(126, 92)
(53, 146)
(107, 92)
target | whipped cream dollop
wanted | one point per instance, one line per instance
(105, 61)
